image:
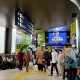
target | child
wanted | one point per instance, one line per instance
(44, 62)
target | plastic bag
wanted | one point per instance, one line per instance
(31, 65)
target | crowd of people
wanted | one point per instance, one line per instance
(66, 61)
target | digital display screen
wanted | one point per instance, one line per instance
(58, 37)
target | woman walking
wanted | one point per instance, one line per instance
(39, 58)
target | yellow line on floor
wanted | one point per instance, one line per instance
(40, 73)
(24, 74)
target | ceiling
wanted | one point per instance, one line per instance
(76, 2)
(44, 14)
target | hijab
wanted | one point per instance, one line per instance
(71, 54)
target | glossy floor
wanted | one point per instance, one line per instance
(32, 74)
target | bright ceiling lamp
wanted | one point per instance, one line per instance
(76, 3)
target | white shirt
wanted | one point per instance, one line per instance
(54, 57)
(60, 58)
(34, 49)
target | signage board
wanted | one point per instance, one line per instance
(23, 22)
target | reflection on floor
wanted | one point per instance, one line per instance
(33, 74)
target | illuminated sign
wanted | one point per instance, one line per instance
(57, 37)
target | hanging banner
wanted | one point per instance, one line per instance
(34, 40)
(73, 33)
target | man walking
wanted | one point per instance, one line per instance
(54, 62)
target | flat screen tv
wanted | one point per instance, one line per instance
(57, 37)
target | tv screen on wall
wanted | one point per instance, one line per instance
(57, 37)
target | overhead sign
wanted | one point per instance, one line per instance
(23, 22)
(59, 29)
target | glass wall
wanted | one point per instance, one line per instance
(2, 40)
(22, 38)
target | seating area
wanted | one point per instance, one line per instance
(7, 61)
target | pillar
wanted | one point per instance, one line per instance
(8, 35)
(78, 32)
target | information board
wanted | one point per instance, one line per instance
(22, 22)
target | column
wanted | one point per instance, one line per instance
(79, 35)
(8, 36)
(78, 32)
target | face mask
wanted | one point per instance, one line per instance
(52, 50)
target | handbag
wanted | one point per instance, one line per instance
(30, 65)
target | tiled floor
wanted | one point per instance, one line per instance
(33, 74)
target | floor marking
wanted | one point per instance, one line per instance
(29, 72)
(40, 73)
(24, 74)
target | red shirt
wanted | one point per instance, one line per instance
(20, 55)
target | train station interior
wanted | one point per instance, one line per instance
(36, 36)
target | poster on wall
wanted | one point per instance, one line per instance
(20, 36)
(34, 39)
(39, 39)
(73, 37)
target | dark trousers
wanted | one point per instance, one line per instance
(73, 73)
(21, 64)
(54, 65)
(9, 64)
(40, 67)
(34, 53)
(66, 71)
(44, 67)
